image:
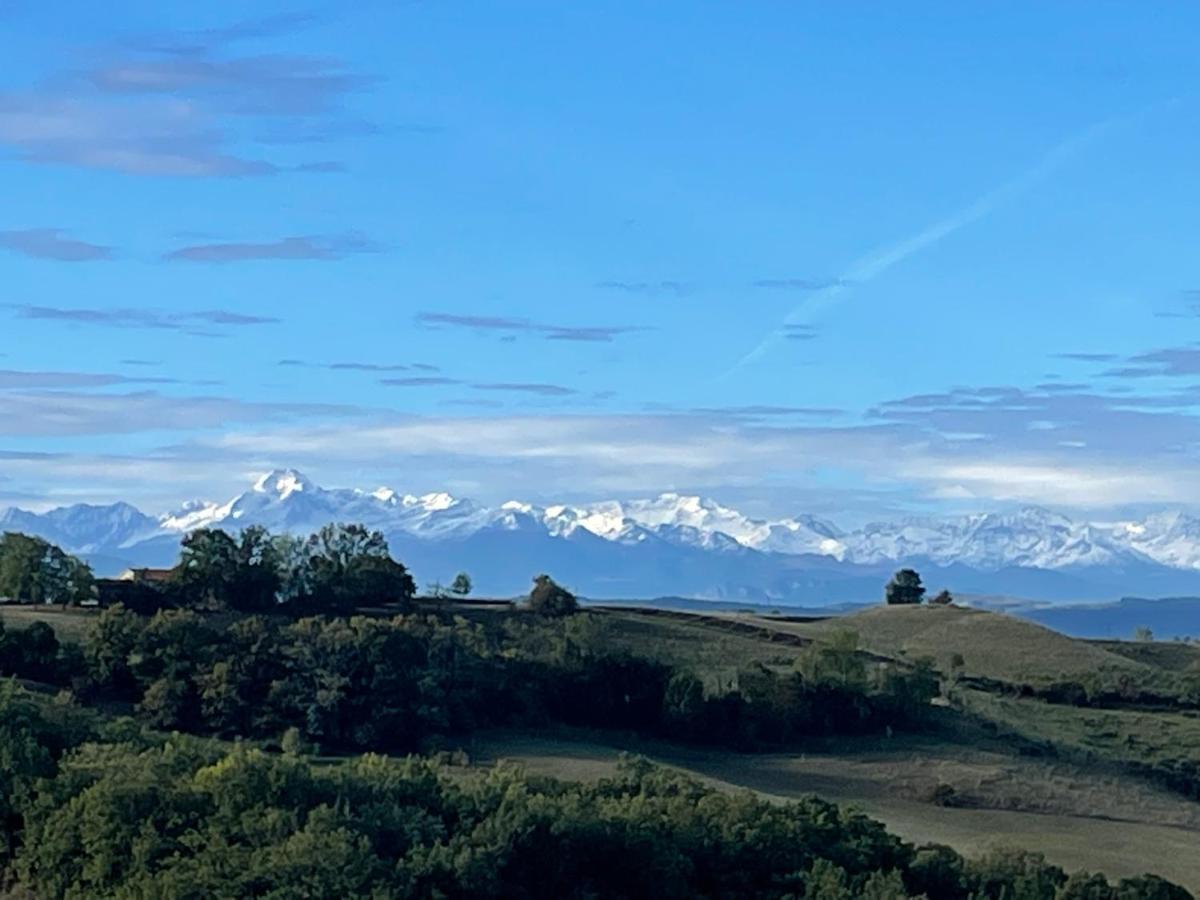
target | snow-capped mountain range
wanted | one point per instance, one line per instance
(671, 544)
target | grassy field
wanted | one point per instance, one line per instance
(1118, 826)
(1172, 656)
(1128, 736)
(70, 625)
(993, 645)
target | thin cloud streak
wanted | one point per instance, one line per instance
(324, 248)
(875, 263)
(144, 318)
(52, 244)
(510, 327)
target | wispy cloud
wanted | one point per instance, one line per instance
(543, 390)
(185, 104)
(651, 288)
(756, 411)
(191, 321)
(510, 327)
(976, 447)
(799, 333)
(875, 263)
(420, 381)
(65, 409)
(1087, 357)
(799, 285)
(52, 243)
(304, 247)
(13, 378)
(360, 366)
(1169, 362)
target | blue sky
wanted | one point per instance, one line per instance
(851, 259)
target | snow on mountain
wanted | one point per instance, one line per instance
(671, 537)
(1031, 537)
(1170, 538)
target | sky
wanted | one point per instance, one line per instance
(855, 260)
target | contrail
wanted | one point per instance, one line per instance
(878, 261)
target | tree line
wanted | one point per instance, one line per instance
(405, 683)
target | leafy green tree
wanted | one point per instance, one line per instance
(33, 570)
(1086, 886)
(259, 578)
(548, 598)
(1017, 874)
(36, 651)
(109, 650)
(942, 598)
(373, 579)
(683, 704)
(219, 571)
(349, 565)
(905, 588)
(24, 757)
(20, 567)
(461, 586)
(835, 660)
(1150, 887)
(827, 881)
(883, 886)
(936, 872)
(207, 572)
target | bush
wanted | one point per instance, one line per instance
(548, 598)
(905, 588)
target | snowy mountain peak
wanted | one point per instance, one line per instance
(434, 502)
(283, 482)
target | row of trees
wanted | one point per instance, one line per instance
(370, 683)
(364, 683)
(338, 569)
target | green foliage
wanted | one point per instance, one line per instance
(905, 588)
(169, 817)
(461, 586)
(942, 598)
(835, 660)
(338, 569)
(1014, 875)
(548, 598)
(35, 571)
